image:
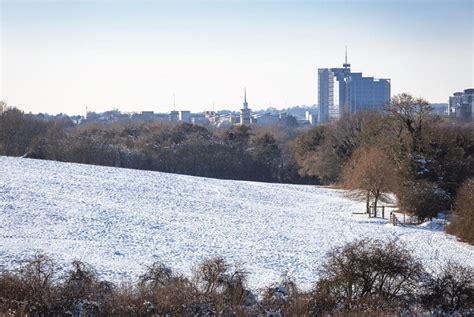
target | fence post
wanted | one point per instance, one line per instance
(383, 212)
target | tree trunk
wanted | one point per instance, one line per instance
(376, 198)
(368, 203)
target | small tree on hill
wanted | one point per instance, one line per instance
(370, 170)
(422, 199)
(410, 116)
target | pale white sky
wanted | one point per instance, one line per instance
(61, 56)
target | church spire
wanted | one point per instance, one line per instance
(245, 111)
(245, 98)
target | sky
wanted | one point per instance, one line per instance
(69, 56)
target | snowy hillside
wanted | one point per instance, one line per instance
(120, 219)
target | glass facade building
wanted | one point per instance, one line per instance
(354, 93)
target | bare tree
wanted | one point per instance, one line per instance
(367, 276)
(450, 291)
(371, 170)
(409, 116)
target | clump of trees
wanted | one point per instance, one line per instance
(237, 152)
(360, 278)
(421, 158)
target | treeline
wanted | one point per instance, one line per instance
(239, 152)
(362, 278)
(423, 159)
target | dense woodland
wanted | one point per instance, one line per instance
(240, 152)
(424, 159)
(362, 278)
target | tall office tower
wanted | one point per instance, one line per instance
(349, 92)
(325, 93)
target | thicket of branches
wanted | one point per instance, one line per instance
(360, 278)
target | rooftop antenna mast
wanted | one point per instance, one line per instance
(346, 64)
(346, 104)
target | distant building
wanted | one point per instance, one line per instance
(162, 117)
(311, 118)
(174, 116)
(147, 116)
(185, 116)
(342, 92)
(245, 111)
(325, 93)
(461, 104)
(265, 119)
(199, 119)
(440, 109)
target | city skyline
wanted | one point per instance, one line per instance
(65, 56)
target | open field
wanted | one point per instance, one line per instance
(119, 220)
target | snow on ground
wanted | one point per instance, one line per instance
(119, 220)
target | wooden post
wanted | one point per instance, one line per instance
(383, 212)
(404, 218)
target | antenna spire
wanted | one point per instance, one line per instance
(346, 64)
(346, 54)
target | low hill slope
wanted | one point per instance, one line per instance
(119, 220)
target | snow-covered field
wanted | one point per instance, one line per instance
(119, 220)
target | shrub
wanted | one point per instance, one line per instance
(367, 276)
(422, 199)
(284, 298)
(82, 292)
(463, 218)
(222, 287)
(363, 278)
(451, 291)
